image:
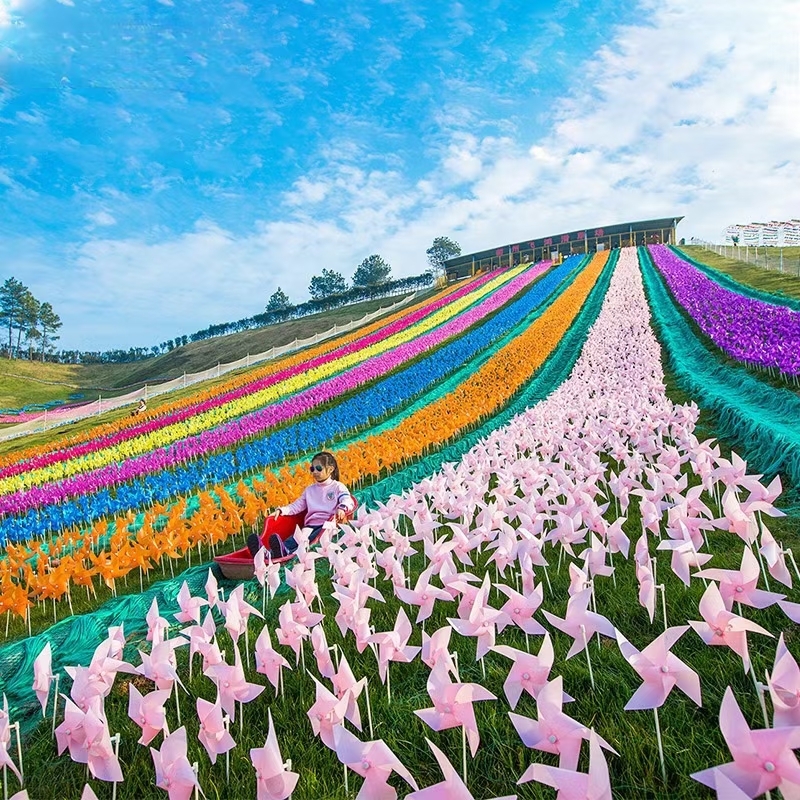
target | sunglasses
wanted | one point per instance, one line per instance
(315, 468)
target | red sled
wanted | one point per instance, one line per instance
(238, 566)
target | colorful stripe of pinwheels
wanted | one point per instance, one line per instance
(68, 447)
(212, 413)
(746, 329)
(44, 509)
(482, 395)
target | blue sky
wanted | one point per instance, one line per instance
(165, 165)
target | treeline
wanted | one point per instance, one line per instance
(357, 294)
(31, 324)
(35, 324)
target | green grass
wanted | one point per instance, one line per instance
(759, 277)
(25, 382)
(692, 740)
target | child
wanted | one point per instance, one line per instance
(325, 498)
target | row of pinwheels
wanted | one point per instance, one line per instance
(561, 479)
(747, 329)
(487, 390)
(379, 399)
(202, 417)
(73, 445)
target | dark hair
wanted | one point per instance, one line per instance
(328, 460)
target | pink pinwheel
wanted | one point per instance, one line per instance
(71, 734)
(784, 688)
(452, 705)
(148, 712)
(200, 635)
(519, 610)
(190, 606)
(374, 761)
(594, 785)
(684, 556)
(237, 612)
(660, 670)
(580, 623)
(322, 652)
(345, 683)
(436, 648)
(740, 584)
(774, 556)
(327, 712)
(393, 645)
(274, 781)
(232, 684)
(5, 740)
(554, 731)
(304, 582)
(157, 626)
(269, 662)
(762, 759)
(528, 673)
(43, 675)
(290, 632)
(423, 595)
(174, 773)
(452, 787)
(594, 558)
(618, 542)
(212, 590)
(481, 621)
(161, 666)
(578, 579)
(722, 627)
(101, 759)
(213, 735)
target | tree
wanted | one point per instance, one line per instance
(28, 317)
(278, 301)
(442, 248)
(49, 323)
(330, 282)
(372, 271)
(12, 299)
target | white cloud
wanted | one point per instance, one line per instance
(101, 219)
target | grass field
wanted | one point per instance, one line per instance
(766, 279)
(24, 382)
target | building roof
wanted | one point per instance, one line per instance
(565, 238)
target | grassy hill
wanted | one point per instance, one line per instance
(24, 382)
(768, 280)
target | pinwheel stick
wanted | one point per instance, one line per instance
(226, 720)
(177, 703)
(115, 738)
(346, 783)
(15, 726)
(389, 682)
(196, 770)
(547, 578)
(588, 657)
(660, 745)
(55, 705)
(789, 553)
(613, 571)
(760, 689)
(464, 753)
(663, 589)
(369, 710)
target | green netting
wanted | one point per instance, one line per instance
(740, 288)
(74, 639)
(762, 420)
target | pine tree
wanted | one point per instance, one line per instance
(372, 271)
(279, 301)
(327, 284)
(442, 248)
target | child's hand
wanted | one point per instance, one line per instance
(341, 515)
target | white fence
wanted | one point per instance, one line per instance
(56, 417)
(759, 256)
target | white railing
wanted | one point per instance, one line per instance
(56, 417)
